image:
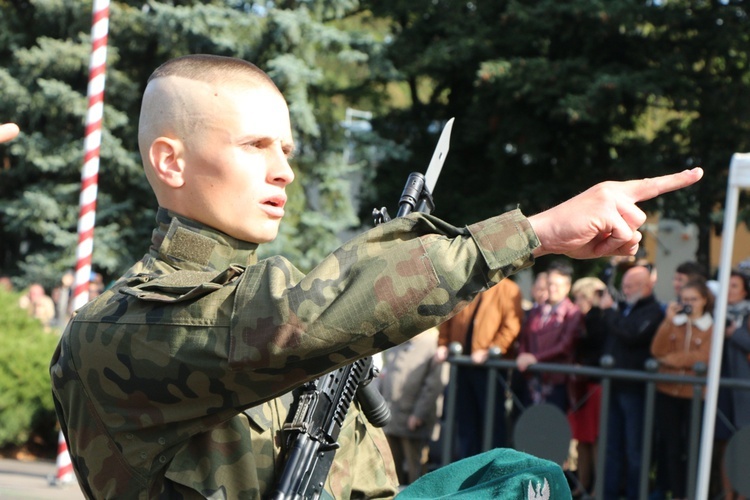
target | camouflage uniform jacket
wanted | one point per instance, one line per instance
(151, 379)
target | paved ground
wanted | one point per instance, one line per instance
(30, 480)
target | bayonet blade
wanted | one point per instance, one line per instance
(438, 157)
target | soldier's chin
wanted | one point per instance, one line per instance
(266, 236)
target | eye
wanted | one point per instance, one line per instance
(288, 150)
(257, 143)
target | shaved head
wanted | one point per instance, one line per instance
(177, 101)
(210, 68)
(215, 138)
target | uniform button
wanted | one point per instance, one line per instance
(129, 436)
(162, 441)
(143, 455)
(162, 459)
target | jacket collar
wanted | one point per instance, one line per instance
(639, 303)
(189, 244)
(704, 322)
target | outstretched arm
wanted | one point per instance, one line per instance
(8, 131)
(604, 219)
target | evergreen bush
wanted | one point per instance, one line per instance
(26, 406)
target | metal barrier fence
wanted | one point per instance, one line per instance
(605, 374)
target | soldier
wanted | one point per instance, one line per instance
(175, 381)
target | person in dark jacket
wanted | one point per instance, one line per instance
(631, 326)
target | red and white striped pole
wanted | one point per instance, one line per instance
(64, 474)
(89, 187)
(92, 141)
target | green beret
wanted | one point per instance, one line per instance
(499, 473)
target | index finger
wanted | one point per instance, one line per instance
(645, 189)
(8, 131)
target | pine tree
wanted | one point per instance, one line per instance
(551, 97)
(305, 46)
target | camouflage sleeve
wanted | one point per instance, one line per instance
(192, 344)
(149, 377)
(376, 291)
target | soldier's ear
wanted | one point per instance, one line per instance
(167, 160)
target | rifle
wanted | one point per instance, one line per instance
(311, 437)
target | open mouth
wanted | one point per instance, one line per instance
(276, 201)
(275, 206)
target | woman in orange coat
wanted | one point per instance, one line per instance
(683, 339)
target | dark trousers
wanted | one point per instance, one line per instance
(554, 394)
(471, 404)
(674, 428)
(624, 443)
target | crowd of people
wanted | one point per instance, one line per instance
(578, 322)
(52, 307)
